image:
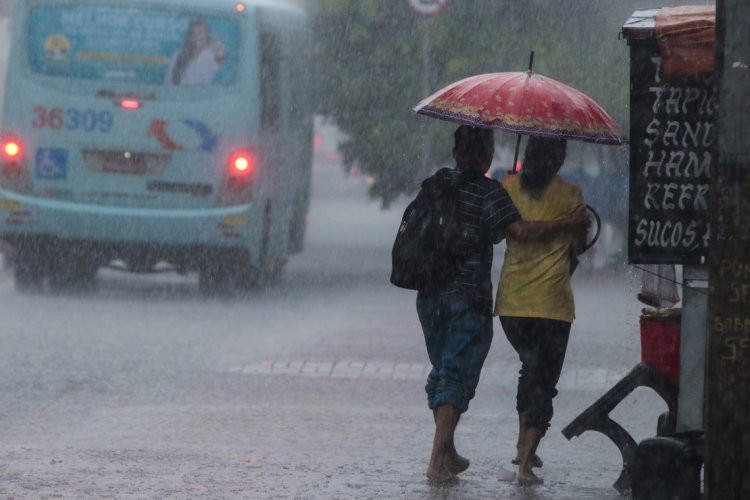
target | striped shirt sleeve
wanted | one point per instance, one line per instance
(499, 212)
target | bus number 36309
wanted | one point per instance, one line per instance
(72, 119)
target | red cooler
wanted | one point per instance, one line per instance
(660, 342)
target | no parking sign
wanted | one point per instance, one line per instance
(427, 8)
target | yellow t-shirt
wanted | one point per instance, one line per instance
(535, 281)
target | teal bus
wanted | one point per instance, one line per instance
(155, 134)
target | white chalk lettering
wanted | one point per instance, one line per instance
(650, 199)
(699, 197)
(673, 103)
(665, 234)
(652, 129)
(654, 164)
(693, 134)
(653, 233)
(698, 168)
(668, 195)
(691, 94)
(657, 100)
(676, 234)
(673, 129)
(657, 63)
(640, 232)
(689, 232)
(674, 165)
(686, 194)
(707, 141)
(665, 243)
(711, 105)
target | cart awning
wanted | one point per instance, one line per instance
(686, 39)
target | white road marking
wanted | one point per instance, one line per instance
(576, 379)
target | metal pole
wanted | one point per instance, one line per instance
(426, 70)
(518, 141)
(728, 358)
(515, 158)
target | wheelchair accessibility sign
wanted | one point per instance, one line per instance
(51, 163)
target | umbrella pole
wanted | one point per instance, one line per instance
(518, 141)
(515, 158)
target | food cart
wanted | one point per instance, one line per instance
(672, 134)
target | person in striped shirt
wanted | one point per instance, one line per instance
(456, 314)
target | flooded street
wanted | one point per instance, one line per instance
(311, 385)
(309, 388)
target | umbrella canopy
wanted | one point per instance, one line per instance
(523, 103)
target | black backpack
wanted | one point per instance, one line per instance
(424, 254)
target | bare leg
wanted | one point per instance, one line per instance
(535, 460)
(521, 435)
(526, 476)
(446, 420)
(456, 463)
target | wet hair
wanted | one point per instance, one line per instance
(473, 143)
(543, 155)
(187, 52)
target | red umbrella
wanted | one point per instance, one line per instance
(523, 103)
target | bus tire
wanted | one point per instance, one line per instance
(223, 278)
(77, 275)
(72, 267)
(215, 279)
(272, 272)
(28, 273)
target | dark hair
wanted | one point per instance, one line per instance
(543, 155)
(472, 143)
(187, 52)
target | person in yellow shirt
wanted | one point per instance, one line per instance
(534, 299)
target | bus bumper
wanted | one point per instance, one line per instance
(42, 221)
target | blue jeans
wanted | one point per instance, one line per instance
(458, 338)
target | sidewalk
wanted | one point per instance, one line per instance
(604, 346)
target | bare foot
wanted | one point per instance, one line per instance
(528, 478)
(439, 474)
(440, 469)
(535, 461)
(456, 464)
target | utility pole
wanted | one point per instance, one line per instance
(426, 9)
(727, 473)
(426, 84)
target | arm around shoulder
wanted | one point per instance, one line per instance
(579, 222)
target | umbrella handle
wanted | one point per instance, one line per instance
(598, 227)
(515, 158)
(518, 142)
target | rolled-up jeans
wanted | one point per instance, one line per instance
(458, 338)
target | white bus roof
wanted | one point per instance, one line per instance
(282, 5)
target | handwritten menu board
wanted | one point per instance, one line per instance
(729, 266)
(672, 132)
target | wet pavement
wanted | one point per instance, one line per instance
(312, 388)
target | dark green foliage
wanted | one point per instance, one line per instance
(370, 59)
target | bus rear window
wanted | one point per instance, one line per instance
(133, 46)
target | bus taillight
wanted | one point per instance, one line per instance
(12, 149)
(130, 104)
(242, 163)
